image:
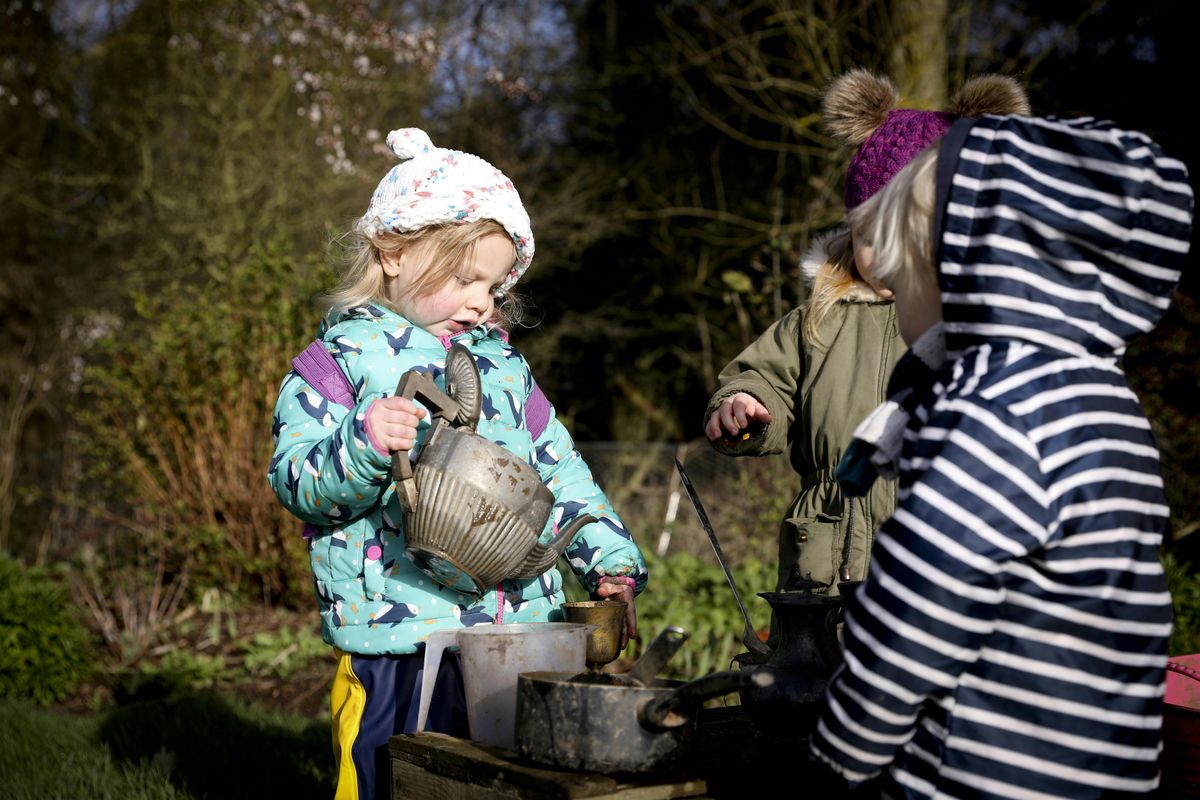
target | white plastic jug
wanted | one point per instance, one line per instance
(492, 658)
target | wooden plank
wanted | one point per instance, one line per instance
(410, 782)
(433, 765)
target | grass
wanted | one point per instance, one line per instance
(190, 746)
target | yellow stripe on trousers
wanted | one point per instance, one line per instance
(347, 701)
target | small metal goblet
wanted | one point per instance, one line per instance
(604, 643)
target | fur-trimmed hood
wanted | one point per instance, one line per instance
(817, 256)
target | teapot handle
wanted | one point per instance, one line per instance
(417, 385)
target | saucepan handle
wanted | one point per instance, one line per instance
(656, 656)
(674, 708)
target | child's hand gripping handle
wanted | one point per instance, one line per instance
(419, 386)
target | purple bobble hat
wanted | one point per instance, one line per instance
(861, 108)
(905, 133)
(433, 185)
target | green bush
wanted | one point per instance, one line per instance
(45, 650)
(693, 594)
(177, 416)
(281, 653)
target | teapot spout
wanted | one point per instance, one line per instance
(542, 556)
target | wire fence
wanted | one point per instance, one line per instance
(744, 498)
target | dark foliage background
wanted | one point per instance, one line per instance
(173, 172)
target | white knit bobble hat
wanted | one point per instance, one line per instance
(433, 185)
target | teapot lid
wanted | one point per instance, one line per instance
(463, 385)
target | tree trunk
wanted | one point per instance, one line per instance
(918, 59)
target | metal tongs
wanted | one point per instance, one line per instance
(749, 635)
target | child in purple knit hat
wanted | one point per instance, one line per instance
(810, 378)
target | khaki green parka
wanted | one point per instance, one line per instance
(817, 393)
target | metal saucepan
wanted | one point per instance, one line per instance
(577, 724)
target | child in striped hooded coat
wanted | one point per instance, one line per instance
(1010, 639)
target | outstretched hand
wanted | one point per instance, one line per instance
(736, 414)
(611, 588)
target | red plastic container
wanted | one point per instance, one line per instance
(1181, 728)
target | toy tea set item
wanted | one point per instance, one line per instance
(608, 616)
(802, 663)
(474, 511)
(631, 722)
(808, 650)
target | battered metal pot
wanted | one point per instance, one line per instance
(566, 721)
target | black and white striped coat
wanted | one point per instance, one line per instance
(1011, 638)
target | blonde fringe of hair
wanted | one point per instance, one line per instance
(898, 223)
(442, 249)
(833, 281)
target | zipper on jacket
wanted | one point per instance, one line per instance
(844, 569)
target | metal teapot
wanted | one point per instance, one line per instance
(474, 511)
(803, 661)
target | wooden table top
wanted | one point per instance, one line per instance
(729, 758)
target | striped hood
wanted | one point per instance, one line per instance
(1010, 639)
(1068, 234)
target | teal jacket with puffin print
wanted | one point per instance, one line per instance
(327, 471)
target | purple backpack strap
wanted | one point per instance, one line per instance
(537, 412)
(317, 367)
(322, 373)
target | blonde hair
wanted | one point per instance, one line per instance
(440, 250)
(897, 221)
(833, 280)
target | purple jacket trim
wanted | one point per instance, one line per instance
(317, 367)
(383, 451)
(322, 373)
(537, 412)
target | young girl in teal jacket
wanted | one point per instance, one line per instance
(443, 241)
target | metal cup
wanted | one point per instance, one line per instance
(604, 643)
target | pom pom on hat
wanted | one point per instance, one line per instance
(856, 104)
(991, 94)
(433, 185)
(408, 143)
(861, 109)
